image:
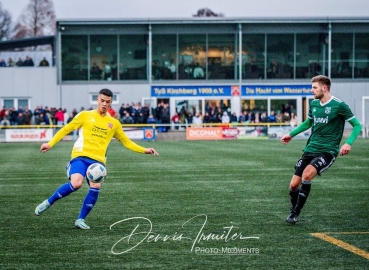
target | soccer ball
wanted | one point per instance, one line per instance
(96, 173)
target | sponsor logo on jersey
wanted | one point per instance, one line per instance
(322, 120)
(99, 132)
(328, 110)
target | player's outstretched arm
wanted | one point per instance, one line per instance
(44, 147)
(122, 137)
(301, 128)
(151, 151)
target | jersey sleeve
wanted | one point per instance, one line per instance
(123, 138)
(346, 112)
(301, 128)
(355, 131)
(74, 124)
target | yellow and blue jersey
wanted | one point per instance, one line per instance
(95, 135)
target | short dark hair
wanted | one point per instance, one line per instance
(106, 92)
(324, 80)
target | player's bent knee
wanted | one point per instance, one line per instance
(309, 173)
(76, 185)
(76, 180)
(294, 186)
(295, 182)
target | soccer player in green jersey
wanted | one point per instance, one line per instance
(326, 118)
(97, 128)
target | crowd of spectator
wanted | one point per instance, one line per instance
(222, 114)
(28, 62)
(135, 113)
(40, 116)
(286, 116)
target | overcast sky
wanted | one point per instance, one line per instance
(143, 9)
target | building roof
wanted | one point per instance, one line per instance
(216, 20)
(27, 42)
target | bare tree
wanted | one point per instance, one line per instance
(37, 20)
(206, 12)
(5, 23)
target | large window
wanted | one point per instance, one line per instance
(311, 55)
(74, 60)
(342, 55)
(280, 56)
(255, 110)
(103, 57)
(221, 59)
(192, 57)
(133, 57)
(254, 105)
(212, 56)
(361, 55)
(253, 56)
(215, 106)
(283, 108)
(188, 106)
(164, 54)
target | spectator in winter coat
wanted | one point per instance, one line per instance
(151, 119)
(59, 117)
(127, 119)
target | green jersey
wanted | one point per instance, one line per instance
(328, 122)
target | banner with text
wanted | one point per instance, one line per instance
(190, 91)
(222, 133)
(242, 132)
(228, 90)
(28, 135)
(276, 90)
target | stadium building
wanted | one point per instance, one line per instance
(244, 64)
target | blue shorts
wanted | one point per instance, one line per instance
(79, 165)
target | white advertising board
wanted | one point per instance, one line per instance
(134, 134)
(28, 135)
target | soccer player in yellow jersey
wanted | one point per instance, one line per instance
(97, 128)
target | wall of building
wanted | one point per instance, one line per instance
(75, 96)
(40, 86)
(351, 93)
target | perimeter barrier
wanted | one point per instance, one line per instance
(151, 132)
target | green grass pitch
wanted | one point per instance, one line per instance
(184, 203)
